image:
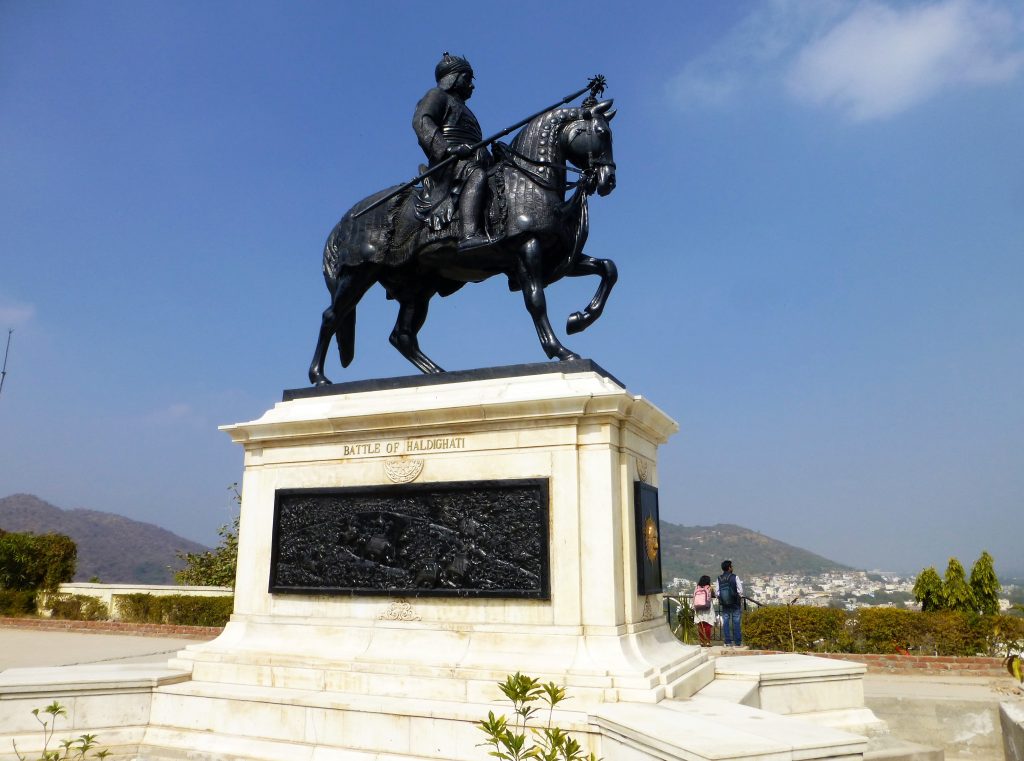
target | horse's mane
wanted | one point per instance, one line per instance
(542, 144)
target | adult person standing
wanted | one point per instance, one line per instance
(729, 591)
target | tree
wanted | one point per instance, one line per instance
(216, 567)
(956, 592)
(30, 561)
(985, 586)
(928, 589)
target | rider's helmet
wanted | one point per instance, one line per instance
(449, 68)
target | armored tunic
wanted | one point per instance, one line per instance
(443, 120)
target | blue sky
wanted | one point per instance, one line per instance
(818, 226)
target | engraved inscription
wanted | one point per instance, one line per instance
(404, 446)
(474, 538)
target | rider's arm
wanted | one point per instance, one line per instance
(427, 121)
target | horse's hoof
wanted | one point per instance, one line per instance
(576, 323)
(569, 356)
(321, 380)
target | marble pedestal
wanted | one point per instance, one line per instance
(574, 428)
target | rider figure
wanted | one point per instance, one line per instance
(445, 126)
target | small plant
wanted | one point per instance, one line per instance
(545, 743)
(685, 627)
(81, 747)
(1014, 666)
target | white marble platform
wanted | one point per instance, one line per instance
(823, 691)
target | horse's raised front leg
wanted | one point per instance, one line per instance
(411, 315)
(605, 269)
(530, 270)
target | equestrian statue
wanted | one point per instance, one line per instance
(478, 208)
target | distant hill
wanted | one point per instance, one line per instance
(690, 551)
(114, 548)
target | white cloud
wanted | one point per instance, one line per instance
(880, 61)
(751, 53)
(14, 315)
(866, 59)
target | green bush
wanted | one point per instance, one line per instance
(138, 608)
(1006, 636)
(180, 610)
(17, 602)
(30, 561)
(798, 627)
(185, 610)
(77, 608)
(882, 630)
(885, 630)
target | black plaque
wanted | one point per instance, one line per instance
(455, 539)
(648, 538)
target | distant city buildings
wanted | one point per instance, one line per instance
(847, 589)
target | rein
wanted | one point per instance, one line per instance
(586, 174)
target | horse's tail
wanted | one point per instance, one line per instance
(345, 333)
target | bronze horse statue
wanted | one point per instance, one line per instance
(539, 238)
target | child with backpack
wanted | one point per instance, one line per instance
(703, 612)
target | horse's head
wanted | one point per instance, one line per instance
(587, 143)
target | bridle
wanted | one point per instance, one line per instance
(587, 175)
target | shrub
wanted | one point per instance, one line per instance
(77, 607)
(950, 633)
(180, 610)
(1006, 636)
(885, 630)
(17, 602)
(28, 561)
(798, 627)
(185, 610)
(138, 608)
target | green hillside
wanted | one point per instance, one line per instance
(689, 551)
(111, 547)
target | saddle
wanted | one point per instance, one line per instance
(436, 204)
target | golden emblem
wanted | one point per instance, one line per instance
(651, 538)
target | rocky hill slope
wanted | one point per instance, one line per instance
(690, 551)
(111, 547)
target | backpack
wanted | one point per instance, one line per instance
(702, 599)
(727, 592)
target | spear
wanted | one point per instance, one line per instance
(3, 372)
(595, 85)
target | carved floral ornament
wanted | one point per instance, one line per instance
(643, 470)
(399, 610)
(403, 470)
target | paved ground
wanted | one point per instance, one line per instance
(25, 648)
